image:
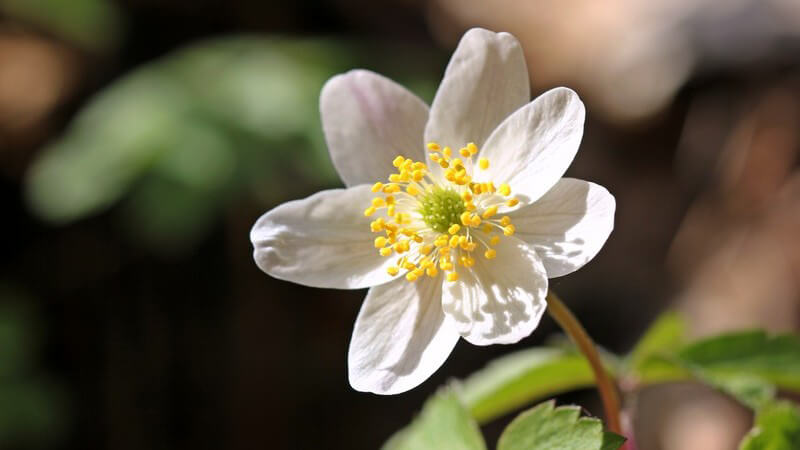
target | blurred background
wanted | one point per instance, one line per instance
(141, 139)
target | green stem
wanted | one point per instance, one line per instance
(608, 391)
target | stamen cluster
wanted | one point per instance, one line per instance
(437, 222)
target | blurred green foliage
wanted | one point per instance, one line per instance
(32, 406)
(184, 137)
(92, 24)
(777, 427)
(512, 381)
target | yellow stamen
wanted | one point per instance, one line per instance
(490, 253)
(452, 276)
(505, 190)
(465, 218)
(483, 163)
(453, 228)
(512, 202)
(434, 147)
(369, 211)
(377, 186)
(392, 270)
(490, 211)
(453, 243)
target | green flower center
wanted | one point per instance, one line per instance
(441, 208)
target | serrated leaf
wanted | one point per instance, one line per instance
(612, 441)
(520, 378)
(443, 424)
(775, 359)
(777, 427)
(666, 334)
(546, 427)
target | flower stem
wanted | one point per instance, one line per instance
(608, 391)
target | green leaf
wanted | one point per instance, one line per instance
(546, 427)
(775, 359)
(443, 424)
(665, 335)
(523, 377)
(612, 441)
(777, 427)
(751, 391)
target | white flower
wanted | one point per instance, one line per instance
(460, 239)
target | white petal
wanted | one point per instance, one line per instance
(498, 301)
(532, 149)
(485, 81)
(400, 338)
(322, 241)
(368, 120)
(568, 225)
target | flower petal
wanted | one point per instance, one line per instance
(485, 81)
(400, 338)
(532, 149)
(322, 241)
(568, 225)
(499, 301)
(368, 120)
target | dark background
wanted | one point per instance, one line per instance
(141, 321)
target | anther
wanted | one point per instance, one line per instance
(490, 211)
